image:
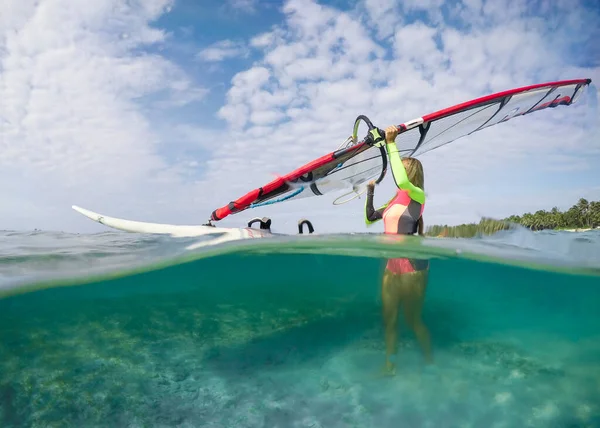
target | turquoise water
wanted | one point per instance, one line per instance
(125, 330)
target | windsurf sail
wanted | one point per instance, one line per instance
(357, 162)
(352, 164)
(444, 126)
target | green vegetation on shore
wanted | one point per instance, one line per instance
(582, 215)
(487, 226)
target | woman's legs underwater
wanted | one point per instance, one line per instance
(406, 290)
(389, 297)
(412, 300)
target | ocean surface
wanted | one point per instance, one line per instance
(126, 330)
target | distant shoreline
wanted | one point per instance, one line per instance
(581, 217)
(474, 229)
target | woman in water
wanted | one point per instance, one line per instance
(404, 280)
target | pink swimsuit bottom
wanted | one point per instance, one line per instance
(402, 265)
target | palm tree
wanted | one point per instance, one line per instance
(583, 208)
(594, 211)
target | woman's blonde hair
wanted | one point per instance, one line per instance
(414, 171)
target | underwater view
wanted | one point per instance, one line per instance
(130, 330)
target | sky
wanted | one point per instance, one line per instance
(163, 111)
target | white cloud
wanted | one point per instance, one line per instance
(77, 90)
(223, 50)
(266, 117)
(268, 39)
(247, 6)
(383, 16)
(432, 7)
(416, 43)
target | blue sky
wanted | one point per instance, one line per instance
(164, 110)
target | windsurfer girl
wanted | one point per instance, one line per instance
(404, 280)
